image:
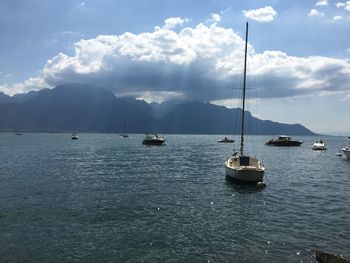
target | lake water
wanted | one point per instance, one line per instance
(104, 198)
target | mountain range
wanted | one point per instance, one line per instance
(85, 108)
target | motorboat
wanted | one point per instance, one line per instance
(153, 139)
(346, 151)
(75, 136)
(226, 140)
(283, 140)
(319, 146)
(124, 135)
(240, 166)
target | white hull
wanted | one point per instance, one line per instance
(254, 172)
(346, 152)
(319, 147)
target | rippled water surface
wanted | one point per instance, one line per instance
(104, 198)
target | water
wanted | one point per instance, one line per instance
(104, 198)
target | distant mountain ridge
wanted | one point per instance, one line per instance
(85, 108)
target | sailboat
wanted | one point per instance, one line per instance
(240, 166)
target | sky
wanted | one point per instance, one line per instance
(162, 50)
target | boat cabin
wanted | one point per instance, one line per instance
(284, 138)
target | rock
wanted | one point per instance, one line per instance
(323, 257)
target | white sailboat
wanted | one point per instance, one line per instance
(240, 166)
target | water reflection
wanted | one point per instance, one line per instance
(243, 187)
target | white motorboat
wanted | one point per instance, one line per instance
(75, 136)
(240, 166)
(346, 151)
(319, 146)
(153, 139)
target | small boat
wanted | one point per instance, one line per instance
(226, 140)
(153, 139)
(241, 166)
(339, 153)
(346, 151)
(124, 135)
(319, 146)
(75, 136)
(18, 133)
(283, 140)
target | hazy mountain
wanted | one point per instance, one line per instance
(76, 107)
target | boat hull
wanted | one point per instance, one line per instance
(226, 141)
(289, 143)
(153, 142)
(250, 173)
(319, 147)
(346, 153)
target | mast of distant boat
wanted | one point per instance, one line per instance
(244, 88)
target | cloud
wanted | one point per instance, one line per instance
(345, 5)
(172, 22)
(314, 12)
(339, 5)
(322, 3)
(338, 18)
(30, 84)
(262, 15)
(214, 18)
(196, 63)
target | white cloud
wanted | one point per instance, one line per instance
(199, 62)
(30, 84)
(339, 5)
(345, 5)
(263, 15)
(214, 18)
(322, 3)
(338, 17)
(172, 22)
(314, 12)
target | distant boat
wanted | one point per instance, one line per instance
(240, 166)
(153, 139)
(283, 140)
(124, 135)
(339, 153)
(226, 140)
(18, 133)
(75, 136)
(319, 146)
(346, 151)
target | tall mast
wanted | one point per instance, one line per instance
(244, 87)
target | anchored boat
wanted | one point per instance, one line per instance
(283, 140)
(241, 166)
